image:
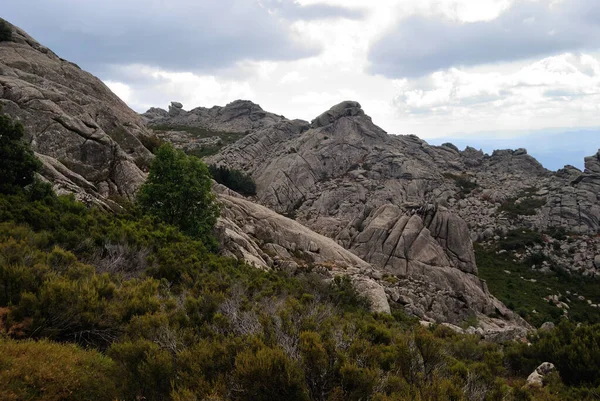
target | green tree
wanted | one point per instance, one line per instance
(233, 179)
(18, 164)
(5, 31)
(178, 191)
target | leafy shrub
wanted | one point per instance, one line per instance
(268, 374)
(463, 182)
(525, 207)
(18, 164)
(151, 142)
(178, 191)
(48, 371)
(233, 179)
(5, 31)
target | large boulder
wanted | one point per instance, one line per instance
(536, 378)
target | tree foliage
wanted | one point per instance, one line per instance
(18, 164)
(178, 191)
(233, 179)
(5, 31)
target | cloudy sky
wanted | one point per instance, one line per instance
(486, 72)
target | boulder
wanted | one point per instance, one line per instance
(548, 326)
(536, 378)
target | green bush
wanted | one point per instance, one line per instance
(47, 371)
(178, 191)
(151, 142)
(266, 375)
(18, 164)
(463, 182)
(527, 206)
(234, 180)
(5, 31)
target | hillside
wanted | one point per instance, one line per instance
(347, 179)
(127, 273)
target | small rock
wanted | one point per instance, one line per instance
(548, 326)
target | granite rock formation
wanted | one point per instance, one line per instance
(88, 137)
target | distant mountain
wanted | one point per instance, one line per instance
(554, 148)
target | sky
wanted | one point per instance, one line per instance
(490, 73)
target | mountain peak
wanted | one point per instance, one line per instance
(347, 108)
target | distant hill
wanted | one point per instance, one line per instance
(554, 148)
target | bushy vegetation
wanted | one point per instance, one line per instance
(102, 306)
(17, 162)
(524, 290)
(234, 180)
(226, 138)
(5, 31)
(526, 203)
(178, 191)
(463, 182)
(151, 142)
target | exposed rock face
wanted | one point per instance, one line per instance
(268, 240)
(347, 179)
(88, 137)
(336, 172)
(239, 116)
(575, 199)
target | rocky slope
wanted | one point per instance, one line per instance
(85, 135)
(430, 277)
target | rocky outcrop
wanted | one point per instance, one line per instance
(536, 378)
(88, 137)
(575, 199)
(268, 240)
(240, 116)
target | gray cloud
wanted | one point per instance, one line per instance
(192, 35)
(292, 10)
(420, 45)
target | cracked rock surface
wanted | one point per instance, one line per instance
(88, 136)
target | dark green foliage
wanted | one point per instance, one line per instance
(5, 31)
(18, 164)
(234, 180)
(268, 374)
(527, 206)
(226, 138)
(152, 142)
(463, 182)
(520, 293)
(520, 239)
(178, 191)
(573, 349)
(450, 145)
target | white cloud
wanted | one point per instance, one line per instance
(122, 90)
(532, 93)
